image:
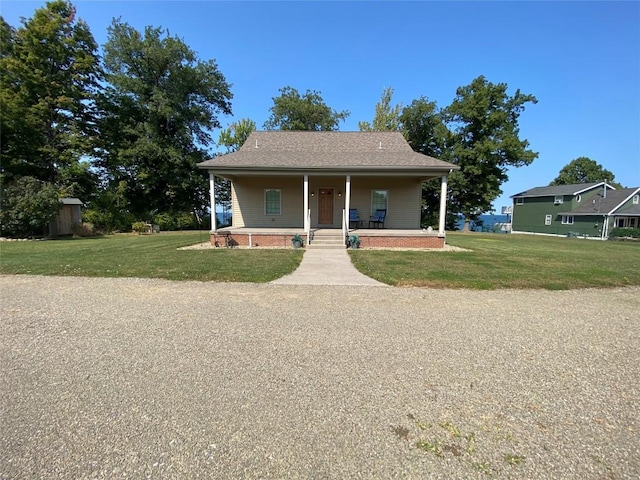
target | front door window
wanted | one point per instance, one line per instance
(325, 206)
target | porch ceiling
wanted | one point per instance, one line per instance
(371, 232)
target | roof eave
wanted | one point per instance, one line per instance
(362, 170)
(577, 192)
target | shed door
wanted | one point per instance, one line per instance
(325, 206)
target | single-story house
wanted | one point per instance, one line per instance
(317, 183)
(69, 214)
(586, 209)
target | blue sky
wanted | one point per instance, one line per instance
(580, 59)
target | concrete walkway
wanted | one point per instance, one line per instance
(326, 267)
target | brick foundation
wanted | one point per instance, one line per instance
(257, 240)
(284, 241)
(401, 241)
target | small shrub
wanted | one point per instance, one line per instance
(107, 221)
(624, 232)
(166, 221)
(186, 221)
(82, 229)
(169, 221)
(139, 227)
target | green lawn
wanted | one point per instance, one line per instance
(507, 261)
(153, 256)
(495, 261)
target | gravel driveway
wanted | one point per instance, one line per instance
(115, 378)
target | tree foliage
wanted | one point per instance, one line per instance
(26, 207)
(234, 136)
(386, 118)
(49, 71)
(584, 170)
(292, 111)
(478, 131)
(484, 143)
(424, 129)
(161, 103)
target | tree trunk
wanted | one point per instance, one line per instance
(465, 228)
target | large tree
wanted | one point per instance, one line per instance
(485, 143)
(159, 109)
(292, 111)
(584, 170)
(49, 72)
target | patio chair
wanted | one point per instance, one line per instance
(354, 217)
(378, 218)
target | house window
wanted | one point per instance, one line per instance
(620, 223)
(578, 198)
(636, 199)
(558, 199)
(547, 219)
(379, 200)
(519, 201)
(567, 219)
(272, 201)
(632, 222)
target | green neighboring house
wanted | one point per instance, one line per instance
(585, 209)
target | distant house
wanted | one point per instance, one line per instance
(69, 214)
(586, 209)
(313, 183)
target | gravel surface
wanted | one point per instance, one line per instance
(130, 378)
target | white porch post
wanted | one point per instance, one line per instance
(306, 203)
(347, 199)
(212, 195)
(443, 204)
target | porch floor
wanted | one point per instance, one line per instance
(372, 232)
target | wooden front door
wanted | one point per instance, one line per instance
(325, 206)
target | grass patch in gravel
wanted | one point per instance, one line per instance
(507, 261)
(146, 256)
(477, 451)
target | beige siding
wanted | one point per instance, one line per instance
(248, 200)
(249, 208)
(236, 213)
(405, 196)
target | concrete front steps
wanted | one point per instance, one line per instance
(327, 239)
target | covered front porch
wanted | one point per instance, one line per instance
(269, 210)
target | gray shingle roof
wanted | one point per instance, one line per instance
(631, 210)
(70, 201)
(600, 205)
(556, 190)
(326, 150)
